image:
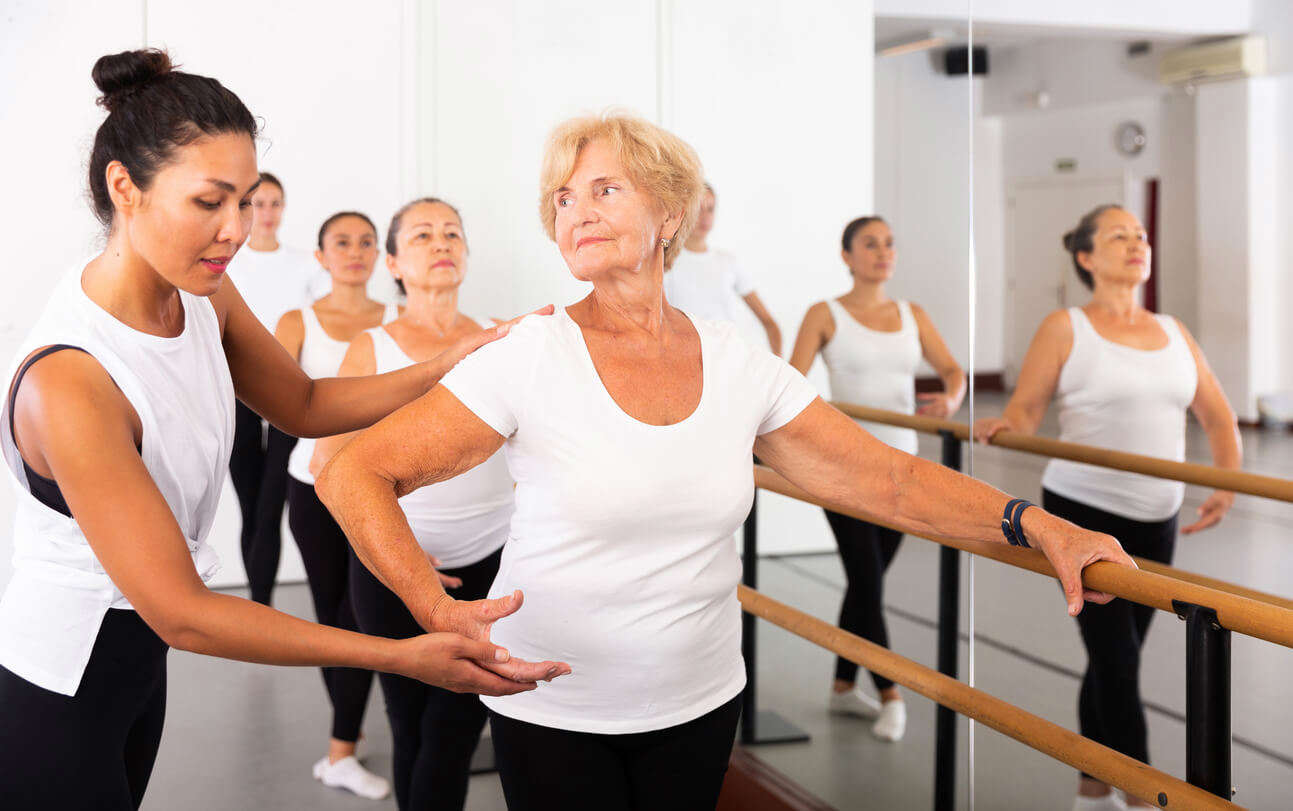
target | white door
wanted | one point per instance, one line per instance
(1039, 274)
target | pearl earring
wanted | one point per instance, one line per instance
(664, 243)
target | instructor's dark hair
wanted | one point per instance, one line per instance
(323, 229)
(1081, 240)
(852, 228)
(153, 110)
(392, 247)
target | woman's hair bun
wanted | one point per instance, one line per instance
(1069, 241)
(119, 75)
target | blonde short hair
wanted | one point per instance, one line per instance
(656, 160)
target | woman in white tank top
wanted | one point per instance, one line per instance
(872, 346)
(1124, 378)
(461, 523)
(317, 336)
(116, 432)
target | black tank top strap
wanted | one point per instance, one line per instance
(44, 489)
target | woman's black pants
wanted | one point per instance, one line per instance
(258, 470)
(434, 731)
(866, 550)
(1110, 710)
(93, 751)
(326, 555)
(680, 768)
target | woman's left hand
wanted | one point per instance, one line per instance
(934, 404)
(1211, 511)
(1070, 549)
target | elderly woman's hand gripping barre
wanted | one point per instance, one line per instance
(830, 456)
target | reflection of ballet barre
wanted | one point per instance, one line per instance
(1113, 768)
(1236, 480)
(1212, 608)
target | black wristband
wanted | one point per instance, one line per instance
(1011, 525)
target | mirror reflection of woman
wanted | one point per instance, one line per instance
(460, 524)
(872, 346)
(1124, 378)
(316, 336)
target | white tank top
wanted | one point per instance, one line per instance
(1133, 400)
(321, 356)
(873, 368)
(180, 388)
(464, 519)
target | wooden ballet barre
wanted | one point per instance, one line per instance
(1239, 481)
(1113, 768)
(1261, 616)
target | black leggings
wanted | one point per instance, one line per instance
(434, 731)
(680, 768)
(94, 750)
(258, 470)
(866, 551)
(326, 555)
(1109, 707)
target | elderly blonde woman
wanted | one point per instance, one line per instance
(628, 429)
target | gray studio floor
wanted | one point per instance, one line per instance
(244, 736)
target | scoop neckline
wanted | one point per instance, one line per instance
(586, 357)
(1111, 342)
(902, 321)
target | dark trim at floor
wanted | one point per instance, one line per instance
(1019, 653)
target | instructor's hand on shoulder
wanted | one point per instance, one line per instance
(457, 663)
(471, 343)
(475, 619)
(1070, 549)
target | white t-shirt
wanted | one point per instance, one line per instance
(273, 282)
(708, 285)
(622, 536)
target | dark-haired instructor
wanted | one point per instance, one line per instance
(117, 428)
(1125, 378)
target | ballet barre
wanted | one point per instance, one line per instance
(1114, 768)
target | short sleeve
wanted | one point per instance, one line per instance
(741, 281)
(775, 389)
(790, 393)
(492, 381)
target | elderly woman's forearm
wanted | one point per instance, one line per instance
(366, 507)
(933, 500)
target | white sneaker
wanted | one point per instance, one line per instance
(349, 773)
(892, 723)
(854, 702)
(1109, 802)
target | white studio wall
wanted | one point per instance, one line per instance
(47, 128)
(366, 110)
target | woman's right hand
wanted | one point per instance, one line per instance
(475, 619)
(988, 427)
(463, 665)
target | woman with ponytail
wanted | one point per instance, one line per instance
(1124, 377)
